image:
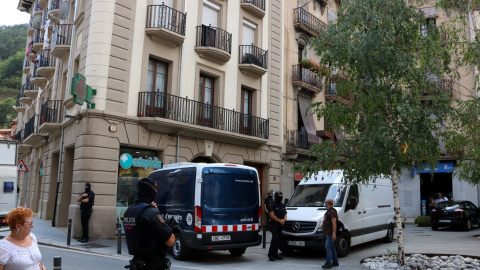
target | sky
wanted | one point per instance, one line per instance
(10, 15)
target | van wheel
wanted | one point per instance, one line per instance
(237, 252)
(343, 244)
(179, 249)
(389, 237)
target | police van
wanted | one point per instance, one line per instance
(215, 206)
(365, 213)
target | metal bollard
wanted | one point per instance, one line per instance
(119, 238)
(57, 263)
(264, 245)
(69, 231)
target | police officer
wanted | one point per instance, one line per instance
(148, 236)
(278, 214)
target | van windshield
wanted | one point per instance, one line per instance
(315, 195)
(230, 188)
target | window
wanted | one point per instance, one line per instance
(157, 86)
(429, 26)
(207, 92)
(210, 13)
(246, 107)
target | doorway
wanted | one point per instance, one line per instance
(430, 186)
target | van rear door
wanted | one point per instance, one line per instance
(230, 199)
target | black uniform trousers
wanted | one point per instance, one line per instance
(154, 263)
(85, 215)
(276, 238)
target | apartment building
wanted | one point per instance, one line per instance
(302, 87)
(113, 89)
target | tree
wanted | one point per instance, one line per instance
(7, 112)
(463, 140)
(395, 65)
(12, 39)
(11, 71)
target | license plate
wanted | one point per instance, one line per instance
(444, 220)
(221, 238)
(296, 243)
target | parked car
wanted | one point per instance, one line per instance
(455, 213)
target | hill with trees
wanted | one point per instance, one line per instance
(12, 52)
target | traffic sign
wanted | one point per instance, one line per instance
(21, 166)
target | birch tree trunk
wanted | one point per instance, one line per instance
(398, 218)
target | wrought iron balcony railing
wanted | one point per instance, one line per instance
(297, 140)
(34, 72)
(45, 16)
(158, 104)
(250, 54)
(37, 37)
(54, 4)
(37, 7)
(30, 127)
(208, 36)
(312, 23)
(28, 85)
(46, 59)
(162, 16)
(26, 62)
(50, 112)
(62, 35)
(444, 86)
(258, 3)
(19, 136)
(305, 75)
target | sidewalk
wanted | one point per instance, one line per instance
(57, 237)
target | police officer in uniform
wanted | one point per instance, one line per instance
(278, 214)
(148, 236)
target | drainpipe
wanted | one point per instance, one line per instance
(181, 55)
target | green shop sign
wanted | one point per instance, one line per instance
(81, 92)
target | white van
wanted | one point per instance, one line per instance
(216, 206)
(365, 212)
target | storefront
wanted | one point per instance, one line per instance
(133, 165)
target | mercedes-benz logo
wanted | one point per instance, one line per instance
(296, 226)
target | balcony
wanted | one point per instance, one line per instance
(31, 135)
(306, 22)
(331, 94)
(50, 117)
(37, 41)
(61, 40)
(252, 60)
(30, 91)
(31, 30)
(46, 64)
(444, 88)
(36, 79)
(297, 140)
(256, 7)
(171, 113)
(306, 79)
(166, 25)
(19, 106)
(26, 66)
(22, 148)
(19, 137)
(213, 44)
(37, 9)
(53, 8)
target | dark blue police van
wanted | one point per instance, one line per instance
(215, 206)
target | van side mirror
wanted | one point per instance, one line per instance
(351, 204)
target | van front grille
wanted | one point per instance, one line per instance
(299, 226)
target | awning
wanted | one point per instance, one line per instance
(308, 120)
